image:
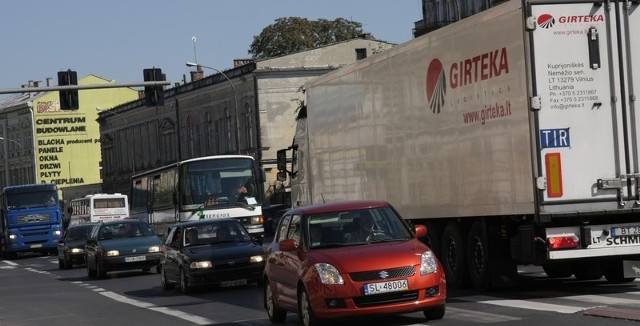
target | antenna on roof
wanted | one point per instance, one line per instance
(195, 57)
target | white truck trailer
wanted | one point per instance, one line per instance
(513, 135)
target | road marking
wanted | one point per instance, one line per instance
(523, 304)
(601, 300)
(476, 316)
(11, 264)
(167, 311)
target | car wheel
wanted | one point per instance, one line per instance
(90, 272)
(68, 264)
(276, 315)
(184, 282)
(101, 272)
(305, 311)
(163, 279)
(434, 313)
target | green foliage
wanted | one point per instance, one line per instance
(295, 34)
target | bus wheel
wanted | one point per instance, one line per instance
(478, 256)
(452, 256)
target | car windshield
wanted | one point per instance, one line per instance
(79, 232)
(124, 230)
(214, 233)
(355, 227)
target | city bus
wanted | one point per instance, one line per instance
(222, 186)
(30, 219)
(98, 208)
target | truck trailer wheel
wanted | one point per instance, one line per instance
(453, 256)
(478, 256)
(431, 239)
(614, 272)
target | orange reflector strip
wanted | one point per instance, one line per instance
(563, 242)
(554, 174)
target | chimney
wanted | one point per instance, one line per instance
(198, 74)
(241, 62)
(49, 81)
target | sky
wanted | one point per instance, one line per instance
(118, 39)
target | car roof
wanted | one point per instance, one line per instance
(87, 224)
(339, 206)
(120, 221)
(206, 221)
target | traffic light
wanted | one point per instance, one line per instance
(153, 95)
(68, 98)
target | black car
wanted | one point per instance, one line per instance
(272, 214)
(119, 245)
(71, 245)
(210, 252)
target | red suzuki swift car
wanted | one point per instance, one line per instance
(349, 259)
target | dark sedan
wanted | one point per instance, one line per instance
(212, 252)
(71, 246)
(120, 245)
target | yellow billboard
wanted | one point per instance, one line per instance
(67, 143)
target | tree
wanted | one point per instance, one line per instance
(295, 34)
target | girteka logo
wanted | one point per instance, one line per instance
(547, 21)
(462, 73)
(436, 85)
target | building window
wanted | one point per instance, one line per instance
(248, 126)
(361, 54)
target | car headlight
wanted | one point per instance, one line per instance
(256, 259)
(112, 253)
(201, 264)
(77, 250)
(57, 232)
(12, 236)
(428, 263)
(328, 274)
(154, 249)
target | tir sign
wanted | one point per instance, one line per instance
(555, 138)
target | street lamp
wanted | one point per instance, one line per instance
(129, 140)
(235, 98)
(6, 165)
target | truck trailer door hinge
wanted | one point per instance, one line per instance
(530, 24)
(536, 103)
(541, 183)
(594, 48)
(610, 183)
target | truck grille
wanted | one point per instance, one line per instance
(32, 218)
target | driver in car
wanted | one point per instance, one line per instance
(364, 229)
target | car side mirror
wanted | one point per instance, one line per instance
(288, 245)
(420, 230)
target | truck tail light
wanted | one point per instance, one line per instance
(565, 241)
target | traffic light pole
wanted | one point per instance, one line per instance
(79, 87)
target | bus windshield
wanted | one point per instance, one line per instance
(219, 182)
(32, 199)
